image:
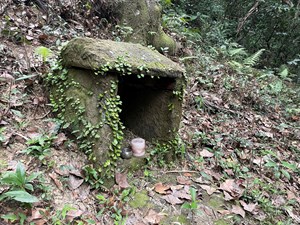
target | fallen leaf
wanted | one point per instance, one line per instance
(289, 210)
(73, 214)
(161, 189)
(258, 161)
(61, 138)
(182, 194)
(176, 187)
(233, 187)
(172, 199)
(76, 173)
(6, 77)
(291, 195)
(278, 201)
(121, 180)
(227, 196)
(201, 180)
(206, 154)
(229, 172)
(37, 213)
(238, 210)
(227, 185)
(248, 207)
(62, 172)
(74, 182)
(187, 175)
(37, 216)
(210, 190)
(183, 180)
(153, 217)
(58, 184)
(224, 212)
(208, 211)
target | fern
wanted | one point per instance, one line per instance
(253, 59)
(237, 52)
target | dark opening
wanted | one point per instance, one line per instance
(145, 105)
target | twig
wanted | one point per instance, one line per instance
(43, 116)
(243, 20)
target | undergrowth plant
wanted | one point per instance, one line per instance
(39, 147)
(19, 185)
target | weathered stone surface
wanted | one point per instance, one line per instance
(144, 17)
(90, 53)
(149, 107)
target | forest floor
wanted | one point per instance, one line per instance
(240, 132)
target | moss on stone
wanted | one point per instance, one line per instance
(140, 200)
(162, 41)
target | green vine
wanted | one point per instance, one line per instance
(87, 133)
(110, 107)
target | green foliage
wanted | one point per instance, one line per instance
(59, 218)
(11, 217)
(193, 205)
(39, 147)
(113, 207)
(43, 52)
(19, 183)
(253, 59)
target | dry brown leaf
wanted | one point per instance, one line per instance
(183, 180)
(76, 173)
(73, 214)
(233, 187)
(206, 154)
(37, 213)
(295, 217)
(62, 172)
(153, 217)
(229, 172)
(61, 138)
(121, 180)
(182, 194)
(228, 185)
(224, 212)
(238, 210)
(201, 180)
(248, 207)
(210, 190)
(227, 196)
(6, 77)
(58, 184)
(278, 201)
(187, 175)
(176, 187)
(74, 182)
(161, 188)
(172, 199)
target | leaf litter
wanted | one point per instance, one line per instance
(240, 142)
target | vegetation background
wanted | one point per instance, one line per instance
(240, 136)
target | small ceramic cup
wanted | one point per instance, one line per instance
(138, 146)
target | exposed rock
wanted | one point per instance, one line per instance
(88, 53)
(144, 17)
